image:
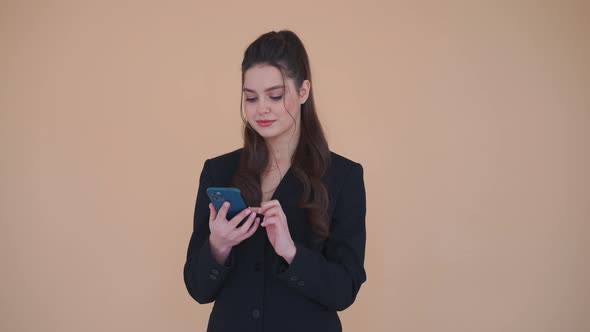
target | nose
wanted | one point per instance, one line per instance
(262, 107)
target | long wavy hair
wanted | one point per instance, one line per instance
(285, 51)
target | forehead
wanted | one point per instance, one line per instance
(261, 77)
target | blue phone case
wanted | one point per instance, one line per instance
(218, 195)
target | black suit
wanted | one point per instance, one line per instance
(256, 290)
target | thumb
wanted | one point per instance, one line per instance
(212, 213)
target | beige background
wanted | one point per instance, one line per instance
(471, 119)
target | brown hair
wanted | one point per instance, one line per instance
(285, 51)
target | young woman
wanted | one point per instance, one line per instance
(304, 261)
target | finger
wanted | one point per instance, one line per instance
(272, 211)
(264, 206)
(269, 221)
(257, 210)
(250, 231)
(246, 225)
(240, 216)
(222, 213)
(212, 212)
(267, 204)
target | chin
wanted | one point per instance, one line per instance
(266, 134)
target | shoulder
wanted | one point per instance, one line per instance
(341, 166)
(345, 182)
(343, 173)
(233, 156)
(224, 163)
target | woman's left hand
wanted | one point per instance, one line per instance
(277, 229)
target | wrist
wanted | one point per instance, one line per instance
(290, 254)
(217, 248)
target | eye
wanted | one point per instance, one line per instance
(250, 100)
(276, 97)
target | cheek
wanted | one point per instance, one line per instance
(283, 107)
(292, 107)
(249, 111)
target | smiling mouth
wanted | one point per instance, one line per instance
(265, 123)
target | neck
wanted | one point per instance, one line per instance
(281, 149)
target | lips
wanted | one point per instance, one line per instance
(265, 123)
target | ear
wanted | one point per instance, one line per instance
(304, 91)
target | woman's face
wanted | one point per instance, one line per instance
(273, 110)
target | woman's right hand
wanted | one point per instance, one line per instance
(225, 234)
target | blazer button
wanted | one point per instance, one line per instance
(256, 313)
(258, 266)
(212, 277)
(215, 272)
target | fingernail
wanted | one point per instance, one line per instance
(253, 214)
(225, 203)
(247, 211)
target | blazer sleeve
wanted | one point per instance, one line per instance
(334, 277)
(203, 276)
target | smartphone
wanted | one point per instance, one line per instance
(219, 195)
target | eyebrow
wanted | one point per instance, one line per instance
(266, 90)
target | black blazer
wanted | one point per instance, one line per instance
(256, 290)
